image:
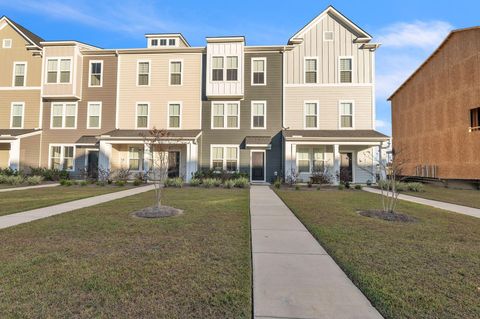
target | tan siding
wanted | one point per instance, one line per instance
(4, 154)
(59, 89)
(29, 151)
(31, 98)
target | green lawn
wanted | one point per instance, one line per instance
(428, 269)
(102, 262)
(22, 200)
(464, 197)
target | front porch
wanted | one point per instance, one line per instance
(19, 148)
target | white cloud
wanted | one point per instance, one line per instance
(381, 124)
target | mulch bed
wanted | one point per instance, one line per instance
(393, 217)
(157, 212)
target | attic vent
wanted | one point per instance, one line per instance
(328, 36)
(7, 43)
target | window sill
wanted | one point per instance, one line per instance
(472, 129)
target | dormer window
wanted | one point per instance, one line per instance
(154, 43)
(172, 42)
(163, 42)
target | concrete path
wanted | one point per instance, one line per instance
(27, 187)
(31, 215)
(465, 210)
(293, 276)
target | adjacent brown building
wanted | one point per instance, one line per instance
(436, 112)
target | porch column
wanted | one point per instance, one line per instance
(380, 162)
(192, 160)
(290, 158)
(147, 157)
(104, 156)
(14, 155)
(336, 164)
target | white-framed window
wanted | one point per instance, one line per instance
(154, 42)
(174, 115)
(163, 42)
(176, 72)
(217, 68)
(310, 159)
(17, 114)
(143, 73)
(63, 115)
(59, 70)
(311, 114)
(62, 157)
(259, 71)
(328, 36)
(259, 114)
(142, 114)
(94, 115)
(224, 157)
(7, 43)
(96, 74)
(232, 68)
(225, 115)
(346, 114)
(135, 158)
(19, 73)
(311, 70)
(172, 42)
(346, 69)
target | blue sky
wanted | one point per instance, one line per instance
(409, 29)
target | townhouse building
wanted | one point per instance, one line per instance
(268, 111)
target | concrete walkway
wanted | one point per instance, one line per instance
(293, 276)
(27, 187)
(31, 215)
(465, 210)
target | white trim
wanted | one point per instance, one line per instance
(90, 73)
(330, 85)
(140, 159)
(11, 114)
(168, 115)
(19, 88)
(18, 30)
(4, 42)
(224, 159)
(264, 71)
(100, 115)
(305, 69)
(305, 114)
(224, 72)
(64, 108)
(325, 38)
(117, 103)
(62, 155)
(374, 100)
(264, 166)
(136, 116)
(339, 70)
(225, 115)
(311, 156)
(149, 72)
(170, 72)
(58, 59)
(340, 114)
(264, 115)
(24, 76)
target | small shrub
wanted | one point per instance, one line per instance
(341, 187)
(369, 183)
(10, 172)
(3, 179)
(208, 182)
(229, 184)
(14, 180)
(49, 174)
(34, 180)
(83, 183)
(277, 183)
(416, 187)
(66, 182)
(387, 185)
(242, 182)
(137, 182)
(318, 188)
(195, 182)
(217, 182)
(297, 187)
(358, 187)
(101, 183)
(347, 185)
(174, 182)
(120, 183)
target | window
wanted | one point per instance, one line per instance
(94, 115)
(64, 115)
(217, 68)
(172, 42)
(17, 112)
(62, 157)
(135, 158)
(328, 36)
(142, 115)
(346, 115)
(143, 73)
(311, 114)
(345, 70)
(225, 115)
(96, 70)
(310, 159)
(20, 72)
(259, 110)
(259, 66)
(303, 161)
(318, 160)
(58, 70)
(224, 157)
(7, 43)
(311, 70)
(175, 72)
(174, 115)
(163, 42)
(232, 68)
(154, 42)
(475, 119)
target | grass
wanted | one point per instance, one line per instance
(102, 262)
(23, 200)
(465, 197)
(428, 269)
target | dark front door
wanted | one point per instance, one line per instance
(258, 166)
(173, 164)
(346, 169)
(92, 164)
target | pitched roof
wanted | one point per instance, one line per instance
(333, 134)
(258, 140)
(27, 34)
(12, 134)
(87, 139)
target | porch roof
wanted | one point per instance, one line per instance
(13, 134)
(141, 134)
(333, 135)
(258, 141)
(87, 140)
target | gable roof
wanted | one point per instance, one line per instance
(31, 37)
(363, 35)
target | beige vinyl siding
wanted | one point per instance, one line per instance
(62, 89)
(159, 93)
(31, 111)
(328, 53)
(18, 53)
(328, 98)
(4, 154)
(29, 151)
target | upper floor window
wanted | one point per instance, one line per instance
(20, 73)
(328, 36)
(311, 71)
(143, 73)
(172, 42)
(175, 72)
(259, 71)
(163, 42)
(174, 115)
(62, 157)
(232, 68)
(311, 114)
(142, 115)
(58, 70)
(224, 157)
(259, 111)
(17, 112)
(94, 115)
(225, 115)
(7, 43)
(346, 70)
(64, 115)
(475, 119)
(154, 42)
(217, 68)
(346, 115)
(96, 70)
